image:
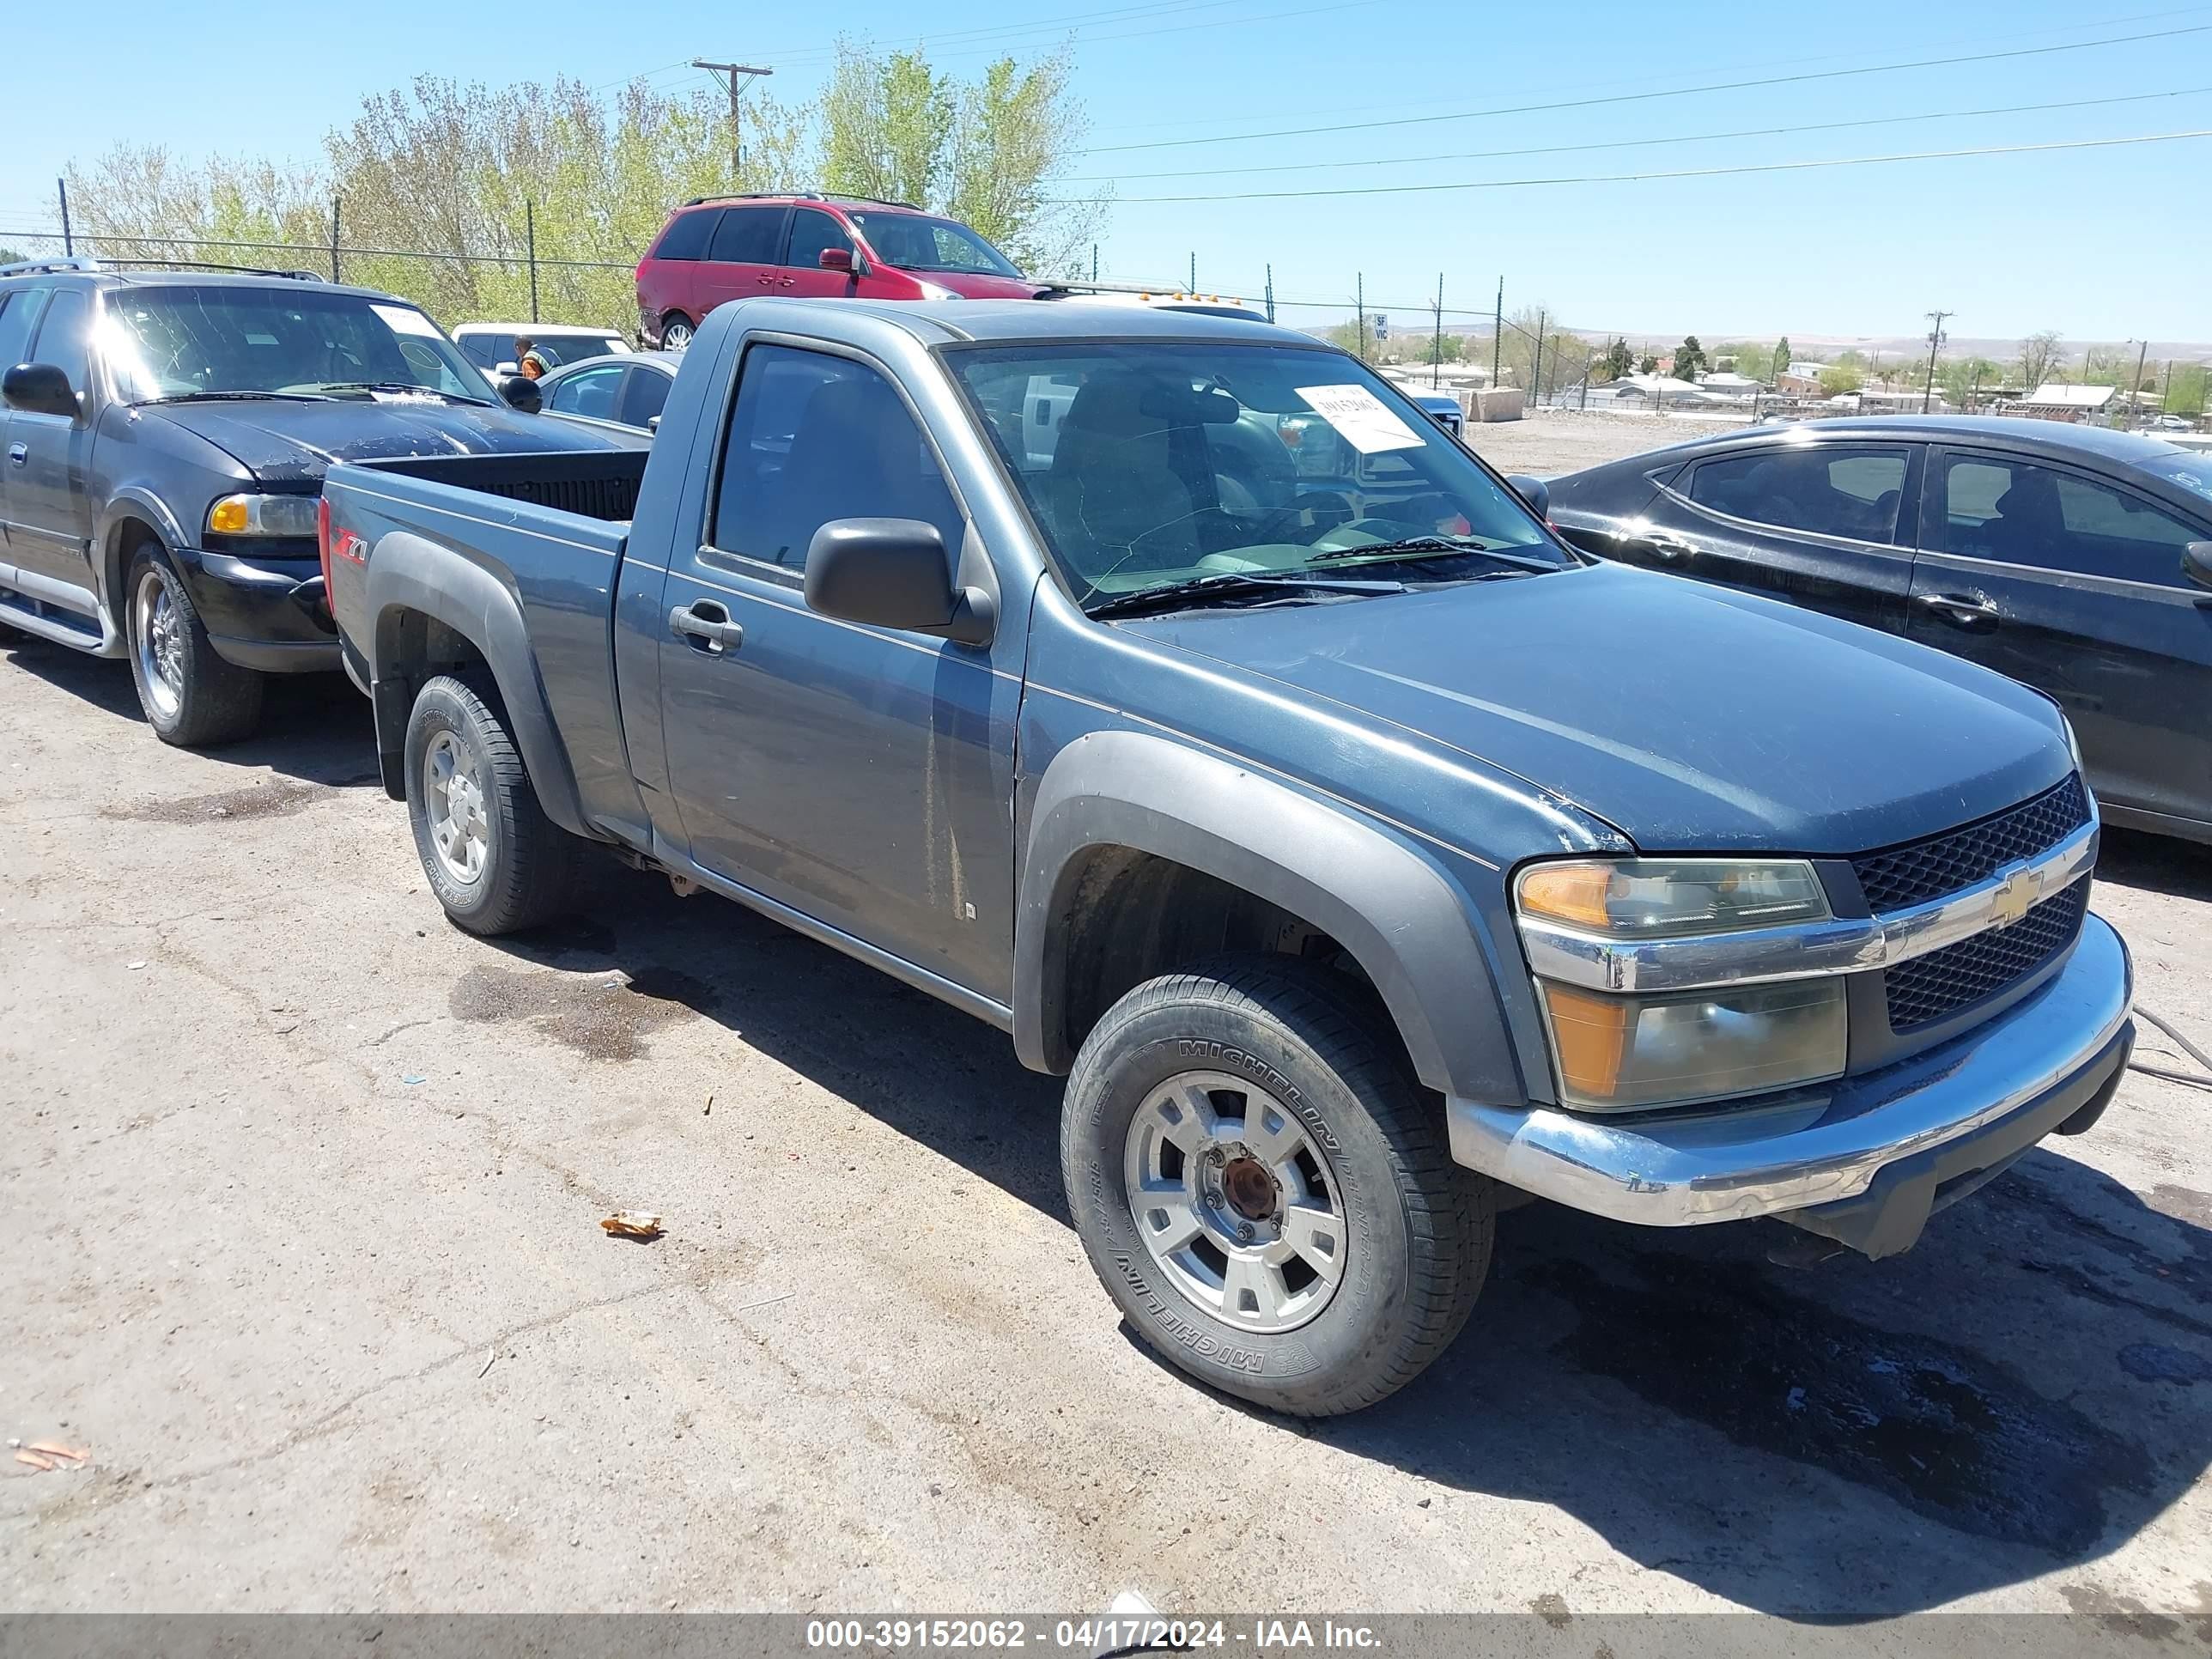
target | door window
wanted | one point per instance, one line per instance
(589, 393)
(1827, 491)
(813, 438)
(1991, 507)
(64, 338)
(687, 236)
(644, 397)
(747, 236)
(812, 231)
(19, 315)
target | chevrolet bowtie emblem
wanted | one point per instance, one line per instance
(2014, 895)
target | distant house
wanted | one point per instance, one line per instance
(1731, 384)
(1801, 380)
(2076, 403)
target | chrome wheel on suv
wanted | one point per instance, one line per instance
(157, 630)
(675, 333)
(1235, 1202)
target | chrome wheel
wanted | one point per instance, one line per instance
(453, 805)
(1236, 1202)
(157, 627)
(675, 336)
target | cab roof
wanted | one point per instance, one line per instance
(942, 322)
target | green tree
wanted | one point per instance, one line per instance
(886, 126)
(1689, 359)
(2186, 388)
(1781, 358)
(1967, 380)
(1840, 377)
(1617, 362)
(1647, 364)
(1015, 129)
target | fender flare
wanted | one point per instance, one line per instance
(408, 572)
(130, 501)
(1384, 899)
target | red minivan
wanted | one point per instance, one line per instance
(730, 247)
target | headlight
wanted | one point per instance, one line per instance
(263, 515)
(1616, 1052)
(939, 291)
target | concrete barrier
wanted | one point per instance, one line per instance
(1502, 405)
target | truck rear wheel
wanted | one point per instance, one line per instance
(496, 862)
(1266, 1194)
(192, 697)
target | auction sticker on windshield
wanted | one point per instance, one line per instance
(405, 320)
(1364, 420)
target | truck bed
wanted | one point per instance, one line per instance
(523, 549)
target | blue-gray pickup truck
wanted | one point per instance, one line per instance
(1366, 857)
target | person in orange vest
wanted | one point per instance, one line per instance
(526, 359)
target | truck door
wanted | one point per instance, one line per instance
(860, 775)
(49, 459)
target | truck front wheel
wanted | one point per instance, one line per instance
(1265, 1193)
(495, 862)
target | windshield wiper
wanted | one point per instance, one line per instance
(408, 387)
(1231, 584)
(216, 396)
(1429, 547)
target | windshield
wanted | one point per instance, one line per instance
(1145, 464)
(915, 242)
(2193, 472)
(181, 342)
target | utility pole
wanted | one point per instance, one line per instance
(68, 242)
(730, 72)
(1193, 271)
(1271, 299)
(530, 226)
(1437, 344)
(1934, 343)
(1360, 300)
(338, 205)
(1537, 372)
(2142, 350)
(1497, 336)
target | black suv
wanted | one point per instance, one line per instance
(166, 434)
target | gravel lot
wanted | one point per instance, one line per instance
(300, 1205)
(1553, 441)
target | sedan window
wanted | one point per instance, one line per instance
(1993, 506)
(1826, 490)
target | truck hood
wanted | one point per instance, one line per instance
(297, 443)
(1689, 717)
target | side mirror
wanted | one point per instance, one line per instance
(521, 393)
(39, 389)
(507, 368)
(653, 423)
(892, 573)
(1535, 491)
(835, 258)
(2196, 557)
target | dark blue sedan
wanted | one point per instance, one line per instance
(2075, 559)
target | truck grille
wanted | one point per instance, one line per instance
(1934, 986)
(1919, 871)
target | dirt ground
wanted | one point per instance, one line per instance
(298, 1207)
(1555, 441)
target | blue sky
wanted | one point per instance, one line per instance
(2102, 243)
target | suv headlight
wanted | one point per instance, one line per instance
(263, 515)
(1615, 1052)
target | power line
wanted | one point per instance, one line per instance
(1647, 97)
(1686, 173)
(1640, 143)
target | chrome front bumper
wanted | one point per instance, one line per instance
(1830, 1152)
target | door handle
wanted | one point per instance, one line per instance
(1970, 610)
(783, 281)
(1670, 550)
(18, 453)
(765, 281)
(706, 627)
